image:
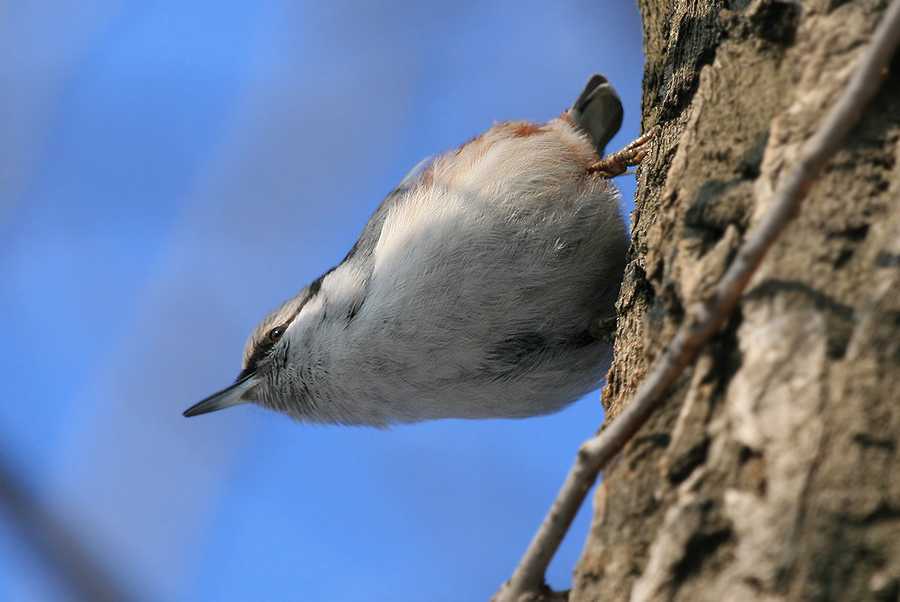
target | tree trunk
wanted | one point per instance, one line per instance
(771, 472)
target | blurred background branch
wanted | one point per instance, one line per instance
(67, 558)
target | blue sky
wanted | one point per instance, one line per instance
(169, 173)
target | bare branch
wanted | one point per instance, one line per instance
(527, 582)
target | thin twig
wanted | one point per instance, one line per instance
(527, 582)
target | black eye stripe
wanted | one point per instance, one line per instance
(275, 334)
(262, 348)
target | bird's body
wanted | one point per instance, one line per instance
(469, 293)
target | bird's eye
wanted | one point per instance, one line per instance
(275, 334)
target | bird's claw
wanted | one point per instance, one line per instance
(615, 164)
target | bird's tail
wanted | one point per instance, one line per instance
(598, 112)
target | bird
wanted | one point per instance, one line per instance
(471, 291)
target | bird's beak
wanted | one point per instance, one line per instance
(232, 396)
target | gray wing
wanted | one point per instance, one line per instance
(368, 239)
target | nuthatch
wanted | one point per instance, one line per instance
(470, 292)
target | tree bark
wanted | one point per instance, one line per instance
(771, 471)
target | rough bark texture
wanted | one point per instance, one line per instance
(772, 471)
